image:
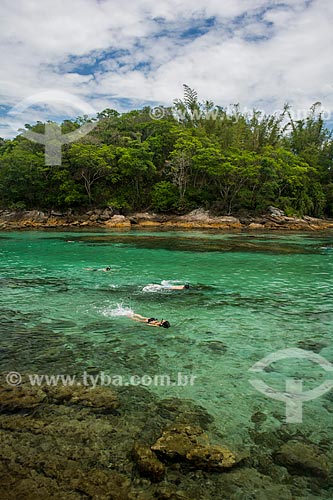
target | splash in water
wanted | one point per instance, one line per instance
(165, 284)
(120, 310)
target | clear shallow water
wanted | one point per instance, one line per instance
(250, 295)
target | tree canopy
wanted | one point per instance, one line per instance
(197, 154)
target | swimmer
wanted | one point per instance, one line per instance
(178, 287)
(150, 321)
(104, 269)
(165, 286)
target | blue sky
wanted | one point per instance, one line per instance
(64, 59)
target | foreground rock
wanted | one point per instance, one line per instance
(65, 443)
(188, 443)
(147, 462)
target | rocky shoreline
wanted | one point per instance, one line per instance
(77, 442)
(275, 219)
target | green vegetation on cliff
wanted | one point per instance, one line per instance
(196, 155)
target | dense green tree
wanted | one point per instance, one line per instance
(137, 169)
(92, 164)
(175, 159)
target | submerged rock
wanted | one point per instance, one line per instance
(98, 397)
(189, 443)
(171, 493)
(147, 462)
(303, 459)
(311, 345)
(258, 417)
(59, 442)
(184, 411)
(13, 399)
(216, 346)
(248, 484)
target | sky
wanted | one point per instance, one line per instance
(72, 57)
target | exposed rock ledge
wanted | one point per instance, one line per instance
(197, 219)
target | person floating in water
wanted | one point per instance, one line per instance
(150, 321)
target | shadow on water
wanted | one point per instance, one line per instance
(213, 243)
(54, 284)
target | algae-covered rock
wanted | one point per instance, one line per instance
(147, 462)
(13, 399)
(184, 411)
(189, 443)
(247, 483)
(101, 484)
(211, 457)
(303, 459)
(93, 397)
(177, 441)
(171, 493)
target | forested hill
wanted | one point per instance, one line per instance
(195, 154)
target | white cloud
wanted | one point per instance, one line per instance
(255, 52)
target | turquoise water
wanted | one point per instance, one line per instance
(250, 296)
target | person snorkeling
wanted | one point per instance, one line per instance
(178, 287)
(150, 321)
(104, 269)
(165, 286)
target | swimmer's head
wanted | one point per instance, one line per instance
(108, 268)
(165, 323)
(186, 285)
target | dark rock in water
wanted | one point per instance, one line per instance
(303, 459)
(248, 484)
(171, 493)
(311, 345)
(147, 462)
(190, 444)
(184, 411)
(258, 417)
(215, 346)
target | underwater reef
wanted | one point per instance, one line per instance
(127, 444)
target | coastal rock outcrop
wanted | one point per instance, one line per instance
(199, 218)
(118, 221)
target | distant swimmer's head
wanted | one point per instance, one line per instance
(165, 324)
(108, 268)
(186, 285)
